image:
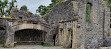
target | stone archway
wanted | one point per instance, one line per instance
(29, 36)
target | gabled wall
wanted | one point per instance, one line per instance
(89, 35)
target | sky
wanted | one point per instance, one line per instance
(32, 4)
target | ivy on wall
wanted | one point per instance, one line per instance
(88, 10)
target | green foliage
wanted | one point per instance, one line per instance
(24, 8)
(88, 9)
(46, 45)
(71, 33)
(42, 10)
(5, 4)
(108, 3)
(57, 1)
(1, 43)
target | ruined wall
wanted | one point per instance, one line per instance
(89, 34)
(88, 31)
(60, 12)
(9, 34)
(6, 33)
(94, 30)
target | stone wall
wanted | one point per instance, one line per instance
(13, 25)
(9, 35)
(87, 35)
(60, 12)
(2, 30)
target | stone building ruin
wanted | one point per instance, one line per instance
(82, 24)
(77, 24)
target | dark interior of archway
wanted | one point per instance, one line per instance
(29, 36)
(1, 28)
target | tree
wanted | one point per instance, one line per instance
(108, 3)
(42, 10)
(24, 8)
(56, 1)
(4, 4)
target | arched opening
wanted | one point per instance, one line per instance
(54, 39)
(88, 11)
(20, 17)
(1, 28)
(29, 36)
(70, 31)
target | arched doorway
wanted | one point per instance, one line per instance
(71, 34)
(29, 36)
(54, 39)
(2, 28)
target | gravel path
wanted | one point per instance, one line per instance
(33, 47)
(105, 48)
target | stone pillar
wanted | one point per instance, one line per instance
(9, 35)
(65, 37)
(9, 40)
(68, 38)
(62, 40)
(75, 10)
(60, 36)
(74, 43)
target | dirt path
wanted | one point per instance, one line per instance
(33, 47)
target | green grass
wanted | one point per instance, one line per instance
(46, 45)
(1, 43)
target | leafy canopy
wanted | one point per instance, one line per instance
(6, 6)
(42, 10)
(24, 8)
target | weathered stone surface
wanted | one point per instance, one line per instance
(60, 12)
(87, 35)
(2, 30)
(66, 16)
